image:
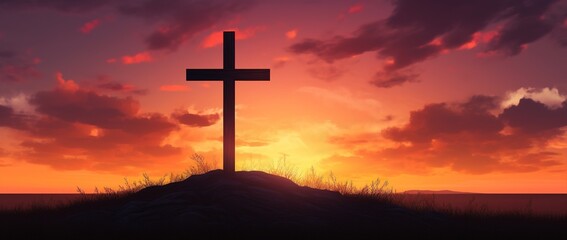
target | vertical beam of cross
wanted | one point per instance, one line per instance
(229, 75)
(229, 104)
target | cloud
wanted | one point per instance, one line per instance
(475, 137)
(251, 143)
(419, 30)
(216, 38)
(137, 58)
(105, 83)
(196, 119)
(71, 6)
(67, 85)
(77, 128)
(353, 9)
(174, 88)
(116, 86)
(89, 26)
(140, 57)
(356, 8)
(9, 118)
(18, 103)
(387, 80)
(547, 96)
(280, 61)
(532, 117)
(326, 72)
(18, 68)
(467, 137)
(291, 34)
(181, 20)
(436, 120)
(346, 98)
(177, 20)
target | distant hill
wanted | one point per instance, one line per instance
(434, 192)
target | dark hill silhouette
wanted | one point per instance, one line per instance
(251, 201)
(251, 204)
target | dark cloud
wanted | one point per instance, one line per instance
(9, 118)
(61, 5)
(195, 119)
(530, 21)
(419, 30)
(388, 80)
(437, 120)
(82, 129)
(105, 83)
(121, 87)
(466, 137)
(85, 107)
(531, 117)
(16, 68)
(180, 20)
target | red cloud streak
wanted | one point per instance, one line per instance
(137, 58)
(215, 38)
(89, 26)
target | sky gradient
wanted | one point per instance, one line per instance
(461, 95)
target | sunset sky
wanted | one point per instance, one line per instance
(438, 94)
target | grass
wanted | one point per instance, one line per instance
(376, 190)
(281, 167)
(475, 219)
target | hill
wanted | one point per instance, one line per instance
(252, 204)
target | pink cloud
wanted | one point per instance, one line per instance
(89, 26)
(178, 21)
(16, 67)
(137, 58)
(215, 38)
(68, 85)
(479, 38)
(355, 8)
(291, 34)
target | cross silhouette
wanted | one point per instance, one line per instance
(228, 75)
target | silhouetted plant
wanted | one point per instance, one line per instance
(201, 165)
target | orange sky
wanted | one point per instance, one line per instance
(456, 96)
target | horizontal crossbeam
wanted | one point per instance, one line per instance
(222, 74)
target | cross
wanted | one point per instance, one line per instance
(228, 75)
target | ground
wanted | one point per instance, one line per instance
(258, 205)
